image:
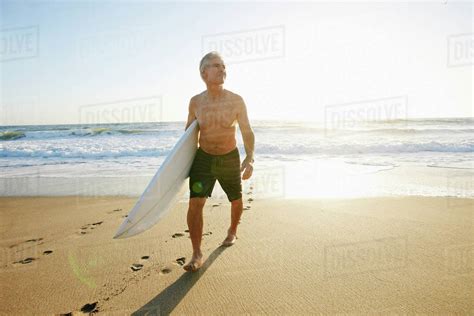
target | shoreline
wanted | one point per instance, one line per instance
(332, 256)
(291, 180)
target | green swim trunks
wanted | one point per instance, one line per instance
(207, 168)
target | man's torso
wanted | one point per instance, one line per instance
(217, 122)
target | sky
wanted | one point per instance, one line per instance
(110, 62)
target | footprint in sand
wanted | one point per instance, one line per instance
(33, 240)
(207, 234)
(94, 225)
(84, 229)
(180, 261)
(177, 235)
(165, 271)
(25, 261)
(250, 200)
(216, 205)
(90, 308)
(116, 210)
(139, 266)
(47, 252)
(136, 267)
(247, 207)
(28, 241)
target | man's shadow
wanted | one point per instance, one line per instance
(165, 302)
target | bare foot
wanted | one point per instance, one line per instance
(194, 264)
(230, 240)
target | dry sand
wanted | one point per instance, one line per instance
(394, 256)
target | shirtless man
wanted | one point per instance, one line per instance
(217, 111)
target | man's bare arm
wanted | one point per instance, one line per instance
(191, 113)
(248, 138)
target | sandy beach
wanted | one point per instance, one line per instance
(353, 122)
(397, 255)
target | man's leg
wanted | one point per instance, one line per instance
(195, 225)
(236, 213)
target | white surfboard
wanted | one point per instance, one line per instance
(162, 191)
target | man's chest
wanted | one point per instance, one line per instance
(216, 116)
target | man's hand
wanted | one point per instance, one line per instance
(247, 168)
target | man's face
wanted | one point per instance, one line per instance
(214, 72)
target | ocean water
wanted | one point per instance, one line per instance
(432, 157)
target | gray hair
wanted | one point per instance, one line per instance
(206, 58)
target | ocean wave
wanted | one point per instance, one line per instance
(11, 135)
(347, 149)
(417, 131)
(363, 131)
(93, 131)
(433, 121)
(397, 129)
(130, 131)
(82, 153)
(111, 131)
(84, 132)
(78, 150)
